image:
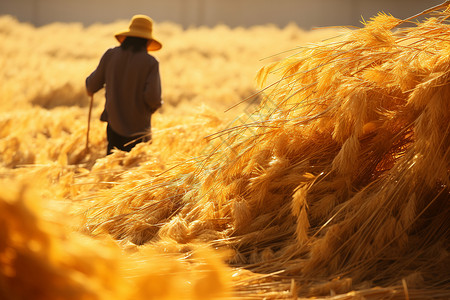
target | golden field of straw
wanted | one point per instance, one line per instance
(327, 180)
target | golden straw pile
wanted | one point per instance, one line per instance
(336, 186)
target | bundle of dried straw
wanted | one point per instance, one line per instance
(338, 183)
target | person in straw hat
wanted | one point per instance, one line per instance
(132, 84)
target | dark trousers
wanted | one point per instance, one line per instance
(123, 143)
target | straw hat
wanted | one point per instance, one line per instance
(140, 26)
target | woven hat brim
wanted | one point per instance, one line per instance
(153, 46)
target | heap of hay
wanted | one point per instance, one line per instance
(339, 182)
(40, 259)
(338, 185)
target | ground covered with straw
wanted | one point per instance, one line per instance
(330, 181)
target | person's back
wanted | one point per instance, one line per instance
(133, 88)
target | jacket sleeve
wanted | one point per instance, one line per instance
(152, 92)
(96, 80)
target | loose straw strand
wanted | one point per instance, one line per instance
(89, 122)
(427, 11)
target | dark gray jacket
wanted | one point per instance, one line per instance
(133, 89)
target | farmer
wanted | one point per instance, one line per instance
(132, 85)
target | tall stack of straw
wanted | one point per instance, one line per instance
(339, 182)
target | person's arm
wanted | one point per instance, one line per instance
(152, 93)
(96, 80)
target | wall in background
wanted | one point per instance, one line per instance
(306, 13)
